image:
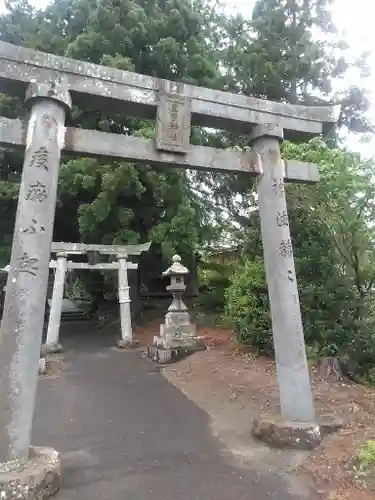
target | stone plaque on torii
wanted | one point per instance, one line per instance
(121, 265)
(49, 83)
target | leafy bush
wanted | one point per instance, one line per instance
(360, 349)
(247, 306)
(213, 281)
(77, 290)
(365, 460)
(337, 322)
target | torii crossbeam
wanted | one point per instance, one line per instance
(49, 83)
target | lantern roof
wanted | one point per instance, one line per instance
(176, 268)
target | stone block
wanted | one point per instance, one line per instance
(42, 366)
(127, 344)
(188, 332)
(38, 479)
(177, 319)
(329, 424)
(165, 355)
(284, 434)
(51, 349)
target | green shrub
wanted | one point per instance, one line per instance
(337, 322)
(77, 290)
(360, 349)
(247, 306)
(365, 460)
(213, 281)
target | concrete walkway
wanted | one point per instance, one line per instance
(125, 433)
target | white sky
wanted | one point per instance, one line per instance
(354, 18)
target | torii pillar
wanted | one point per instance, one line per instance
(52, 341)
(24, 471)
(126, 340)
(296, 426)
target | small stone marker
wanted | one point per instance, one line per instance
(178, 336)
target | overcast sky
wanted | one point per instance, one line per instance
(355, 18)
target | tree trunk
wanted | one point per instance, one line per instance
(329, 368)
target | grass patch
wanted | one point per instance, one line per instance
(364, 465)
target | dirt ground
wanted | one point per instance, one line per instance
(233, 387)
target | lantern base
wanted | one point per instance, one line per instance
(177, 324)
(167, 355)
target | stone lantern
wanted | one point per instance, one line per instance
(178, 336)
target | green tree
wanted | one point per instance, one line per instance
(114, 201)
(342, 204)
(290, 51)
(333, 237)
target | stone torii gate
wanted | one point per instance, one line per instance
(48, 84)
(61, 264)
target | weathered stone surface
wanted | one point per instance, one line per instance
(26, 289)
(51, 349)
(173, 119)
(38, 479)
(102, 266)
(80, 248)
(124, 300)
(54, 321)
(177, 330)
(329, 424)
(127, 344)
(177, 319)
(92, 142)
(178, 336)
(42, 366)
(283, 434)
(290, 353)
(164, 355)
(122, 91)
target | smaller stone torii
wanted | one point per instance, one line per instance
(61, 264)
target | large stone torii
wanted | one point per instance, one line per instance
(48, 84)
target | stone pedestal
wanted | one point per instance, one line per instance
(39, 478)
(280, 433)
(178, 336)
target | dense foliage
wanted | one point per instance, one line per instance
(116, 201)
(333, 237)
